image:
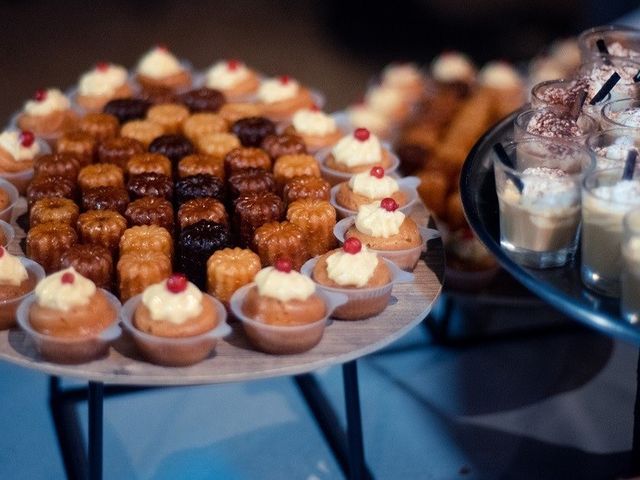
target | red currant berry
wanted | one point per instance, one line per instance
(177, 283)
(283, 265)
(352, 245)
(233, 64)
(362, 134)
(68, 278)
(40, 95)
(27, 138)
(162, 47)
(285, 79)
(102, 66)
(2, 250)
(377, 172)
(389, 204)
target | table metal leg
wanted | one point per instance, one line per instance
(635, 449)
(96, 398)
(354, 420)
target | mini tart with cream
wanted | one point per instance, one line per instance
(105, 82)
(352, 266)
(406, 78)
(453, 70)
(364, 188)
(175, 308)
(69, 305)
(362, 115)
(281, 97)
(358, 152)
(388, 101)
(15, 279)
(160, 69)
(282, 296)
(233, 78)
(504, 85)
(381, 226)
(47, 114)
(18, 149)
(316, 128)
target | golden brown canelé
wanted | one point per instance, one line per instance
(316, 218)
(100, 175)
(150, 211)
(201, 163)
(149, 163)
(170, 116)
(79, 144)
(193, 211)
(102, 227)
(229, 269)
(105, 198)
(46, 242)
(92, 261)
(118, 150)
(61, 210)
(146, 238)
(100, 126)
(203, 123)
(204, 322)
(57, 164)
(306, 186)
(283, 144)
(381, 275)
(250, 180)
(217, 144)
(254, 210)
(291, 166)
(287, 314)
(141, 130)
(234, 111)
(136, 271)
(50, 187)
(276, 240)
(246, 157)
(347, 198)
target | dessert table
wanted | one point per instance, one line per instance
(560, 287)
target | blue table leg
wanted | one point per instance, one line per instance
(96, 400)
(357, 466)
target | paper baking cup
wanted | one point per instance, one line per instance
(335, 177)
(70, 350)
(175, 352)
(284, 339)
(12, 191)
(362, 302)
(406, 259)
(8, 308)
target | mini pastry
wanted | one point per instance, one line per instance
(48, 114)
(99, 125)
(453, 71)
(102, 227)
(358, 152)
(158, 95)
(175, 147)
(406, 78)
(150, 184)
(250, 180)
(17, 151)
(251, 131)
(196, 243)
(193, 211)
(5, 200)
(61, 210)
(170, 116)
(50, 187)
(246, 157)
(316, 129)
(281, 97)
(234, 111)
(254, 210)
(79, 144)
(283, 297)
(365, 187)
(203, 100)
(316, 218)
(127, 109)
(158, 68)
(283, 144)
(118, 150)
(136, 271)
(57, 164)
(16, 281)
(100, 175)
(217, 144)
(201, 163)
(363, 116)
(149, 163)
(102, 84)
(229, 269)
(203, 123)
(105, 198)
(150, 211)
(146, 238)
(69, 305)
(388, 101)
(233, 78)
(94, 262)
(289, 166)
(281, 240)
(143, 130)
(504, 85)
(46, 242)
(199, 186)
(306, 186)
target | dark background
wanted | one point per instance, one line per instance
(332, 45)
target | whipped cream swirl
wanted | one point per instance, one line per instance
(55, 294)
(176, 308)
(283, 286)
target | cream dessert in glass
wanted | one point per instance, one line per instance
(554, 123)
(623, 112)
(621, 41)
(630, 279)
(612, 146)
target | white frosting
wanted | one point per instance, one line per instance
(366, 117)
(386, 100)
(166, 306)
(499, 75)
(617, 151)
(313, 122)
(352, 152)
(452, 67)
(544, 189)
(377, 222)
(348, 269)
(52, 293)
(222, 77)
(99, 82)
(10, 142)
(284, 286)
(618, 50)
(12, 272)
(159, 63)
(275, 90)
(372, 187)
(625, 192)
(54, 101)
(401, 75)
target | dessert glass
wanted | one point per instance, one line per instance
(8, 308)
(406, 259)
(70, 350)
(604, 65)
(602, 229)
(539, 226)
(175, 352)
(408, 185)
(613, 114)
(361, 302)
(627, 37)
(8, 232)
(334, 176)
(611, 146)
(586, 122)
(630, 279)
(540, 91)
(284, 339)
